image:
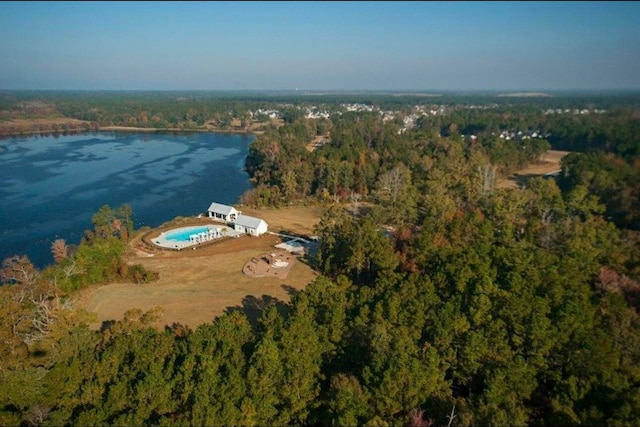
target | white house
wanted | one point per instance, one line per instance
(250, 225)
(223, 213)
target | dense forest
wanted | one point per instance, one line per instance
(443, 299)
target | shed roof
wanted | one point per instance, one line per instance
(221, 209)
(249, 221)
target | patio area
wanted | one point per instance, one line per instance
(274, 264)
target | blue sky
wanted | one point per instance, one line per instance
(320, 45)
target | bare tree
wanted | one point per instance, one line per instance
(37, 414)
(452, 415)
(59, 250)
(394, 182)
(612, 281)
(72, 268)
(18, 269)
(47, 308)
(355, 199)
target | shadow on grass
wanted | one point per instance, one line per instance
(253, 307)
(290, 290)
(106, 324)
(523, 179)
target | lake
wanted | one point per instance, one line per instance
(50, 186)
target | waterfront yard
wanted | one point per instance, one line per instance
(195, 286)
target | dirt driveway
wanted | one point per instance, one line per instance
(195, 286)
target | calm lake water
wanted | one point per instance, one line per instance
(51, 186)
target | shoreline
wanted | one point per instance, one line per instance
(152, 130)
(124, 129)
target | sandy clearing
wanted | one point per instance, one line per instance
(551, 163)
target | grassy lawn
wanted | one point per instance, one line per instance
(195, 286)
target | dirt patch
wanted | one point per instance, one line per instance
(195, 286)
(274, 264)
(317, 142)
(550, 163)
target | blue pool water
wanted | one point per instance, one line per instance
(182, 235)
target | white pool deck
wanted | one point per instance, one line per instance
(162, 241)
(296, 245)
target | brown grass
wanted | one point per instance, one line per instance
(195, 286)
(300, 220)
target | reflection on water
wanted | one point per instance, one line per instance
(51, 186)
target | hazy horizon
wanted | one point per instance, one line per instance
(321, 46)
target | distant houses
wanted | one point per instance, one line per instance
(242, 223)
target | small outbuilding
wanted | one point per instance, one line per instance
(223, 213)
(250, 225)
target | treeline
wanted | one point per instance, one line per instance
(46, 127)
(606, 161)
(160, 112)
(155, 110)
(193, 109)
(614, 131)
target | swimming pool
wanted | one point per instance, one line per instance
(182, 234)
(183, 237)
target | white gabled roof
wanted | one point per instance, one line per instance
(221, 209)
(249, 221)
